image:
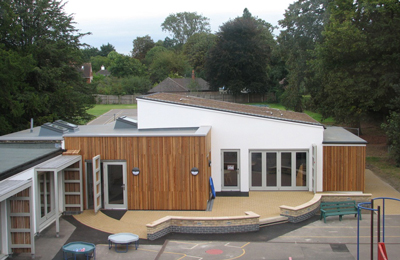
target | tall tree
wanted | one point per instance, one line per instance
(240, 56)
(185, 24)
(39, 43)
(105, 49)
(302, 29)
(88, 53)
(141, 45)
(358, 63)
(196, 49)
(168, 64)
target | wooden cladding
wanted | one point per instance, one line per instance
(344, 168)
(20, 224)
(165, 181)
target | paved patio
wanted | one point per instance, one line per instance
(266, 204)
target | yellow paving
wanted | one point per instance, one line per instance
(265, 203)
(378, 188)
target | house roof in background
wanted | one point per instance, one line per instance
(180, 85)
(87, 70)
(104, 72)
(266, 112)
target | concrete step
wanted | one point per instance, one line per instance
(272, 221)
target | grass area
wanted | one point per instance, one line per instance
(385, 168)
(98, 110)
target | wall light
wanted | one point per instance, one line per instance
(194, 171)
(135, 171)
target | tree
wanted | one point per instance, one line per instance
(88, 53)
(123, 65)
(240, 56)
(357, 64)
(183, 25)
(106, 49)
(196, 49)
(151, 54)
(141, 45)
(41, 46)
(98, 61)
(168, 64)
(303, 25)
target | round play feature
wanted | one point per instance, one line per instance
(214, 252)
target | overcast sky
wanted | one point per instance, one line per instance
(119, 22)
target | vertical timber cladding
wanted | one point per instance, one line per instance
(72, 199)
(165, 181)
(20, 222)
(344, 168)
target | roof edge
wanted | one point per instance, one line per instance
(230, 111)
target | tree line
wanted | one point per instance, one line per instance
(336, 57)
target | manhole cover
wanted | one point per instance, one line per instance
(339, 248)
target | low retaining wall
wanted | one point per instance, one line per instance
(309, 209)
(203, 225)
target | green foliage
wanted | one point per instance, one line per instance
(88, 53)
(141, 45)
(357, 64)
(105, 49)
(98, 61)
(196, 49)
(167, 64)
(154, 52)
(40, 46)
(130, 85)
(123, 66)
(392, 130)
(303, 25)
(240, 56)
(183, 25)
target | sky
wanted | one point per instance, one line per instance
(119, 22)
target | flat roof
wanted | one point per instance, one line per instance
(27, 135)
(339, 135)
(17, 155)
(108, 130)
(266, 112)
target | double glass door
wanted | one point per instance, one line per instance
(278, 170)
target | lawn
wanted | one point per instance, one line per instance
(98, 110)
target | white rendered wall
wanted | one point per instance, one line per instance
(234, 131)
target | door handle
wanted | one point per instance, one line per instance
(123, 186)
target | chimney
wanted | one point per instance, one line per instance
(102, 67)
(193, 77)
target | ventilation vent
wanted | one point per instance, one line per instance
(49, 129)
(69, 126)
(125, 122)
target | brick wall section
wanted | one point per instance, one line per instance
(203, 225)
(309, 209)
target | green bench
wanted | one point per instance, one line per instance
(338, 208)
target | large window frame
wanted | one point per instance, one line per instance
(298, 173)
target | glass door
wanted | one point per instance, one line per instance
(278, 170)
(46, 195)
(231, 170)
(115, 193)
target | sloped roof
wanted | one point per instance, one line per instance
(87, 70)
(266, 112)
(180, 85)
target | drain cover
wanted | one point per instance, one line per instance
(339, 248)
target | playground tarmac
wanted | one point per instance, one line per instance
(311, 239)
